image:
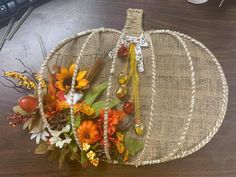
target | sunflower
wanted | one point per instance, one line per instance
(64, 79)
(88, 132)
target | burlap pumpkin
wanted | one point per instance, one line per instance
(183, 90)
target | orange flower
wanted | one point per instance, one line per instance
(50, 100)
(53, 105)
(88, 132)
(78, 107)
(84, 108)
(114, 116)
(64, 79)
(62, 105)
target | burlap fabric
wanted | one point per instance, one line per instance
(190, 99)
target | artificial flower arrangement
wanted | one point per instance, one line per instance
(59, 142)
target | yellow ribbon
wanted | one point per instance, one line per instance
(135, 80)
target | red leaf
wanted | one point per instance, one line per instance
(61, 95)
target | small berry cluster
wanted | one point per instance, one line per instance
(17, 119)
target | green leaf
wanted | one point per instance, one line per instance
(68, 118)
(101, 104)
(77, 121)
(95, 146)
(63, 154)
(73, 147)
(94, 92)
(54, 154)
(17, 109)
(28, 123)
(83, 157)
(74, 156)
(133, 146)
(42, 148)
(36, 125)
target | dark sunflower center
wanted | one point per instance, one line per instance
(68, 81)
(86, 135)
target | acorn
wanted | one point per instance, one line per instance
(28, 103)
(128, 107)
(122, 91)
(122, 78)
(123, 51)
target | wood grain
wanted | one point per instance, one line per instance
(55, 20)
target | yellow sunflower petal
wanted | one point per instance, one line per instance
(67, 87)
(71, 70)
(59, 76)
(82, 83)
(64, 71)
(59, 85)
(81, 75)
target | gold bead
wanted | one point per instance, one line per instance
(122, 91)
(139, 129)
(122, 78)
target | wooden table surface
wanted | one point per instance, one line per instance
(58, 19)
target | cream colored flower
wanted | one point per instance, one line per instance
(91, 155)
(85, 147)
(59, 142)
(40, 136)
(95, 162)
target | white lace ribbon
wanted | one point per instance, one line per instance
(140, 41)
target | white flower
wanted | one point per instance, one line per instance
(59, 142)
(40, 136)
(63, 130)
(55, 139)
(77, 97)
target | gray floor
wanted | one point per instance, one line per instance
(53, 21)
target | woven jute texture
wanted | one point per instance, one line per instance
(184, 101)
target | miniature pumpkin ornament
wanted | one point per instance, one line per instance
(171, 85)
(28, 103)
